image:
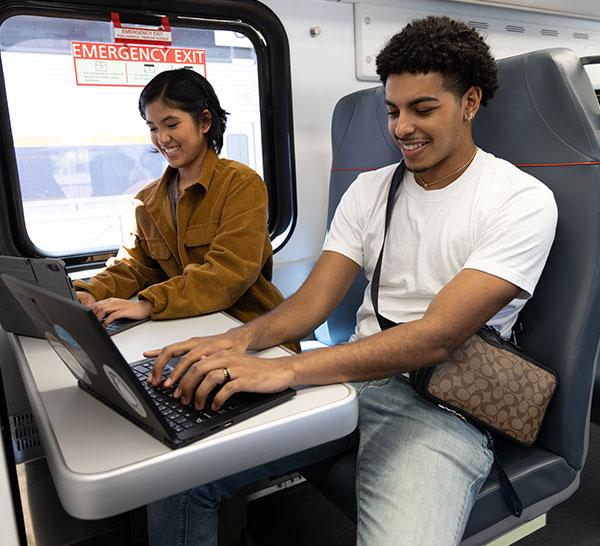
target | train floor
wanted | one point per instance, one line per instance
(301, 516)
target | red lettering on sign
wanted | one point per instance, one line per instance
(132, 52)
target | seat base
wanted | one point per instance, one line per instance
(542, 479)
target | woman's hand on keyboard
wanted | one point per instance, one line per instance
(85, 298)
(112, 309)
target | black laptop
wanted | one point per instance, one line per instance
(48, 273)
(83, 344)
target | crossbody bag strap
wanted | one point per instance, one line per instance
(385, 323)
(509, 495)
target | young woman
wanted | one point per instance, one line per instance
(200, 242)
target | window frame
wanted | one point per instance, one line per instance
(267, 34)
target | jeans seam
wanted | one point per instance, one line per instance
(358, 493)
(464, 505)
(183, 517)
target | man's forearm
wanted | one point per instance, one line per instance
(458, 311)
(392, 352)
(302, 312)
(291, 321)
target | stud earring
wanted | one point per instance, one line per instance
(469, 116)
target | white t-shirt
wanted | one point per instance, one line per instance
(494, 218)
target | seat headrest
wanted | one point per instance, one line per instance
(359, 139)
(545, 111)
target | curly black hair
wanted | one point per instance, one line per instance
(443, 45)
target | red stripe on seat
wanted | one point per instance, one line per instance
(573, 164)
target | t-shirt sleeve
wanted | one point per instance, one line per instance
(345, 233)
(516, 238)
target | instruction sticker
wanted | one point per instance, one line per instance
(130, 65)
(140, 34)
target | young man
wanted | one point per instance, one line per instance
(467, 242)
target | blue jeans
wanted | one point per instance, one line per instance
(419, 470)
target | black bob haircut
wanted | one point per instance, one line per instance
(191, 92)
(443, 45)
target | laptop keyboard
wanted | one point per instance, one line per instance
(119, 325)
(178, 416)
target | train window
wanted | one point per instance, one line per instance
(81, 149)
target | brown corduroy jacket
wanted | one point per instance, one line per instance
(218, 259)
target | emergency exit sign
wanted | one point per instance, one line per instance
(130, 65)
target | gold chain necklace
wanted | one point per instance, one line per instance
(428, 185)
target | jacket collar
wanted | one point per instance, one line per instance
(159, 208)
(206, 174)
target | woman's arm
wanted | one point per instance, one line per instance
(131, 271)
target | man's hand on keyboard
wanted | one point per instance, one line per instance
(235, 372)
(191, 351)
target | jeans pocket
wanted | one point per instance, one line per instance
(375, 383)
(486, 444)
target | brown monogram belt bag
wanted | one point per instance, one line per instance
(493, 383)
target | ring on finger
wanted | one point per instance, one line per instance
(226, 374)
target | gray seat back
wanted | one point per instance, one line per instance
(360, 142)
(556, 138)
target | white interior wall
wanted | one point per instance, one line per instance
(323, 69)
(573, 8)
(508, 32)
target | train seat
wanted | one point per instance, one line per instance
(545, 119)
(358, 134)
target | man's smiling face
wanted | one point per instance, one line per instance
(427, 121)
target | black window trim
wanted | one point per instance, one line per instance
(254, 20)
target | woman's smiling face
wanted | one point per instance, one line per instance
(176, 134)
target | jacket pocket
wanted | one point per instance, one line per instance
(200, 235)
(158, 249)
